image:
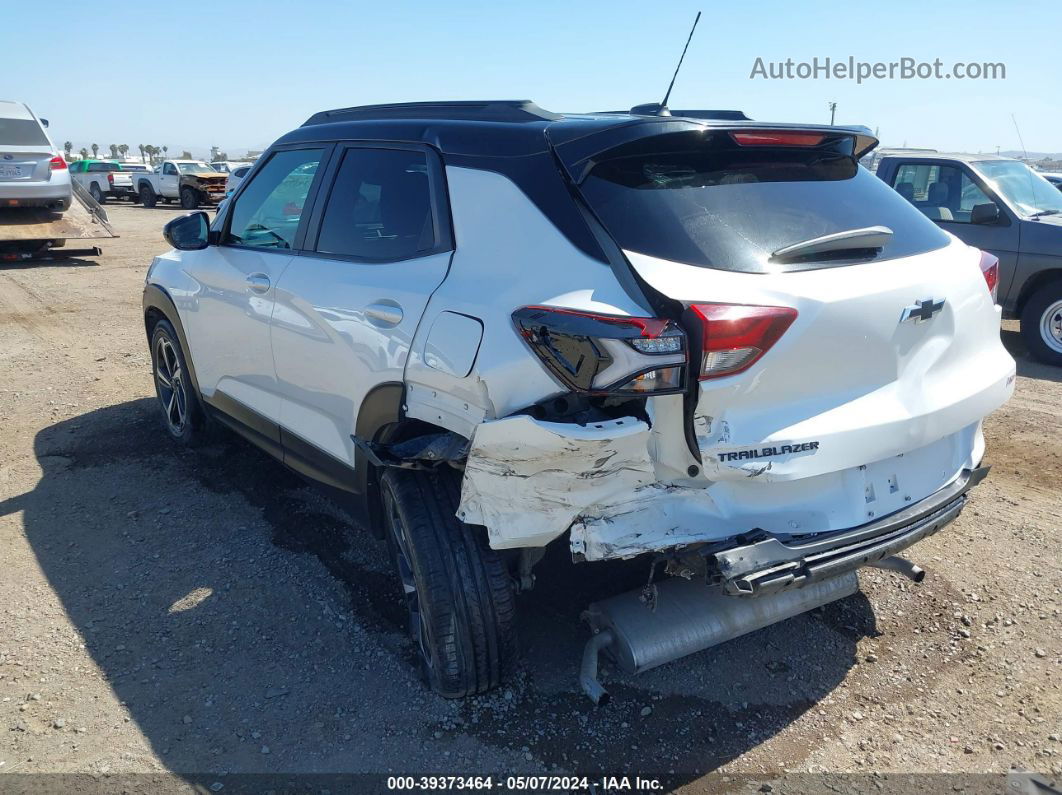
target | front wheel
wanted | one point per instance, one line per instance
(1041, 323)
(181, 414)
(458, 592)
(189, 200)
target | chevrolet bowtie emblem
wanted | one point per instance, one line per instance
(922, 310)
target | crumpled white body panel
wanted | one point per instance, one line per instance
(527, 480)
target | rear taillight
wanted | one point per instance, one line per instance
(735, 336)
(110, 177)
(57, 163)
(595, 354)
(990, 270)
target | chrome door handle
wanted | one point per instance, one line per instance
(258, 282)
(385, 314)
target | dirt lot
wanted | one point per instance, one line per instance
(206, 612)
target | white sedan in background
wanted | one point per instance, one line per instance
(33, 173)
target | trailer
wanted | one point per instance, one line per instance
(40, 234)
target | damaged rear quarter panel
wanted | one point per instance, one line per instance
(527, 480)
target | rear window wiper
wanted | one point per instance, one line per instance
(867, 241)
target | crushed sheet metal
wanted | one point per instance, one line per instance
(652, 518)
(527, 480)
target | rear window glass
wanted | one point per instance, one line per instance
(703, 200)
(103, 167)
(22, 132)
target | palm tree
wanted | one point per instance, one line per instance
(68, 148)
(84, 153)
(165, 149)
(141, 153)
(114, 151)
(95, 150)
(122, 149)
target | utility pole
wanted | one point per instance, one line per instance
(833, 111)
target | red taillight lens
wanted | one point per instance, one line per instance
(781, 138)
(990, 270)
(110, 177)
(735, 336)
(596, 354)
(57, 163)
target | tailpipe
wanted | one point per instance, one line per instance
(588, 671)
(688, 617)
(902, 566)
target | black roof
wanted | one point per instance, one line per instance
(513, 128)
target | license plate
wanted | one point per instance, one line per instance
(11, 172)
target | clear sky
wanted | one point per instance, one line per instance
(239, 73)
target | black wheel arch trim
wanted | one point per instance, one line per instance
(158, 300)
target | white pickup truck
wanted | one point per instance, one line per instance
(192, 182)
(103, 179)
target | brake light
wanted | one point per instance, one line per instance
(57, 163)
(595, 354)
(780, 138)
(110, 177)
(990, 270)
(735, 336)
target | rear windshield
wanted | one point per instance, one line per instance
(104, 167)
(701, 199)
(22, 132)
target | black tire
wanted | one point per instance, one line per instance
(147, 196)
(189, 199)
(462, 605)
(181, 413)
(97, 194)
(1041, 323)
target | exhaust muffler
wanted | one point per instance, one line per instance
(688, 617)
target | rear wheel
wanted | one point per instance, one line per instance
(96, 193)
(1041, 324)
(460, 599)
(179, 404)
(147, 196)
(189, 199)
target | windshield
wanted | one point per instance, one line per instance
(21, 132)
(193, 168)
(706, 201)
(1030, 193)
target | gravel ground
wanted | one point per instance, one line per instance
(207, 612)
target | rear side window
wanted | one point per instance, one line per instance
(22, 132)
(103, 167)
(379, 207)
(701, 199)
(267, 212)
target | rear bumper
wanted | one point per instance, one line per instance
(772, 564)
(33, 194)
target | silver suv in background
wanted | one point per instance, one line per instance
(33, 173)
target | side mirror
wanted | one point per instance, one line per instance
(44, 122)
(189, 232)
(984, 213)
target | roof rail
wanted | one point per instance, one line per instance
(504, 110)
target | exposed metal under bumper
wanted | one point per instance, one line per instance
(771, 565)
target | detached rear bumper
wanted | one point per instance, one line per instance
(773, 564)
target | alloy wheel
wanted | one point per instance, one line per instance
(169, 376)
(418, 625)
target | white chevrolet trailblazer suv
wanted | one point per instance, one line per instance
(715, 345)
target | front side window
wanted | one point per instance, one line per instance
(379, 207)
(169, 170)
(267, 212)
